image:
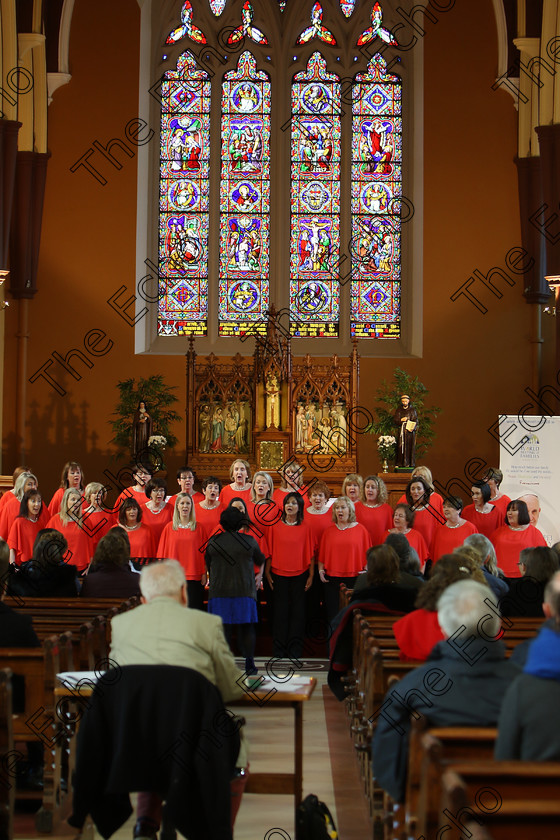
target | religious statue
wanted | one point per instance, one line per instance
(272, 391)
(141, 429)
(406, 419)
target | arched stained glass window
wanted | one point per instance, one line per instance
(376, 203)
(315, 201)
(183, 199)
(244, 200)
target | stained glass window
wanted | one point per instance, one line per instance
(315, 200)
(244, 199)
(246, 29)
(217, 6)
(347, 7)
(187, 28)
(183, 199)
(316, 30)
(376, 204)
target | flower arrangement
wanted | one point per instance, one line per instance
(159, 441)
(385, 446)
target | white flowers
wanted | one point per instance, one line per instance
(159, 441)
(386, 446)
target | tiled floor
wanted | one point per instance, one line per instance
(330, 771)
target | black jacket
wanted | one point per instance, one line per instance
(462, 684)
(43, 580)
(230, 560)
(110, 582)
(159, 728)
(16, 629)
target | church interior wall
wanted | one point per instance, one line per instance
(475, 365)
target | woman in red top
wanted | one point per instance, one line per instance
(155, 512)
(261, 508)
(72, 477)
(183, 540)
(342, 553)
(96, 521)
(517, 534)
(374, 513)
(208, 511)
(493, 479)
(484, 516)
(240, 475)
(141, 539)
(403, 520)
(353, 488)
(69, 523)
(454, 532)
(289, 572)
(418, 632)
(291, 481)
(436, 501)
(426, 518)
(11, 510)
(318, 515)
(26, 527)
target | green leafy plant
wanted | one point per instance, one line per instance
(159, 398)
(388, 395)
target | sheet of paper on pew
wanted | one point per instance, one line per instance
(72, 679)
(281, 682)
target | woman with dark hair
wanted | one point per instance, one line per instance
(110, 575)
(289, 573)
(25, 528)
(484, 516)
(48, 574)
(72, 477)
(403, 521)
(255, 529)
(231, 556)
(140, 536)
(526, 594)
(383, 581)
(26, 481)
(510, 539)
(455, 530)
(374, 513)
(342, 553)
(426, 519)
(209, 509)
(417, 632)
(182, 540)
(69, 522)
(156, 514)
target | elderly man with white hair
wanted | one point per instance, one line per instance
(461, 684)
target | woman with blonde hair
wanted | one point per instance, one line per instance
(240, 477)
(96, 521)
(373, 512)
(70, 523)
(353, 487)
(182, 539)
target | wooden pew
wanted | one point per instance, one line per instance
(7, 775)
(38, 721)
(506, 799)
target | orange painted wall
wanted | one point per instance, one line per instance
(476, 366)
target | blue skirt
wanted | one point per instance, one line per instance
(234, 610)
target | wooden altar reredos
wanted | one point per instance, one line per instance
(271, 409)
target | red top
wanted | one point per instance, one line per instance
(343, 551)
(291, 548)
(417, 633)
(509, 543)
(209, 519)
(318, 523)
(141, 541)
(501, 503)
(129, 493)
(5, 498)
(415, 541)
(54, 504)
(156, 522)
(426, 521)
(185, 546)
(196, 498)
(485, 523)
(436, 502)
(10, 513)
(228, 493)
(79, 543)
(376, 520)
(446, 539)
(96, 524)
(279, 495)
(22, 538)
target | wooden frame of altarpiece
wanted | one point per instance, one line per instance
(272, 410)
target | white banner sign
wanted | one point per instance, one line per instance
(530, 462)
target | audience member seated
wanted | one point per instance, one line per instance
(485, 550)
(515, 535)
(520, 651)
(16, 629)
(484, 516)
(493, 479)
(526, 594)
(163, 631)
(403, 521)
(526, 727)
(453, 532)
(462, 684)
(409, 562)
(418, 632)
(110, 575)
(48, 574)
(382, 581)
